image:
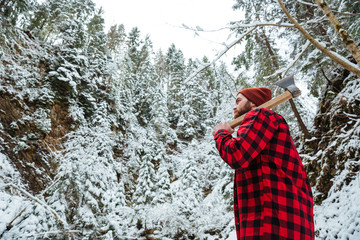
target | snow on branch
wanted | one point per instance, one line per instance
(307, 3)
(200, 29)
(314, 5)
(43, 204)
(263, 24)
(71, 232)
(35, 235)
(343, 33)
(336, 57)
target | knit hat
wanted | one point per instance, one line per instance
(257, 95)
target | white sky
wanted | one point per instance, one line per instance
(162, 20)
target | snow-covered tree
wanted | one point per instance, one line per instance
(100, 138)
(175, 74)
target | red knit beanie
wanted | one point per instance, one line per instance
(257, 95)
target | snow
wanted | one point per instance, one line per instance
(353, 65)
(232, 236)
(339, 215)
(139, 152)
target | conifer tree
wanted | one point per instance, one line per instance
(56, 17)
(260, 49)
(160, 67)
(160, 115)
(162, 186)
(175, 75)
(87, 188)
(116, 37)
(196, 110)
(145, 187)
(139, 74)
(16, 12)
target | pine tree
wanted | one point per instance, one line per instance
(145, 183)
(160, 115)
(116, 37)
(139, 74)
(261, 53)
(60, 17)
(16, 12)
(144, 193)
(196, 110)
(162, 185)
(87, 187)
(175, 75)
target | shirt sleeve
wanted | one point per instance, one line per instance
(254, 133)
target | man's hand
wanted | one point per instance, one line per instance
(223, 125)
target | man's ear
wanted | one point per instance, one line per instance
(253, 106)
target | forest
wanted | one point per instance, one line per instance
(104, 137)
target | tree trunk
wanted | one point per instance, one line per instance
(343, 62)
(346, 38)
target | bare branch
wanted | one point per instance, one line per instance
(297, 58)
(21, 212)
(234, 81)
(238, 25)
(283, 71)
(220, 54)
(307, 3)
(337, 58)
(9, 226)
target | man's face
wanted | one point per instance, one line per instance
(242, 105)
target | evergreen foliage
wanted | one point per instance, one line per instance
(101, 138)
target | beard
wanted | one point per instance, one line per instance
(246, 108)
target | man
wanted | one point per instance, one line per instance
(272, 195)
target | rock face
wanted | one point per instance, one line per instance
(335, 145)
(33, 118)
(31, 131)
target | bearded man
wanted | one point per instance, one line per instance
(272, 195)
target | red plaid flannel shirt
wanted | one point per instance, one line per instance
(272, 195)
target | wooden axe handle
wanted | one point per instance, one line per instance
(269, 104)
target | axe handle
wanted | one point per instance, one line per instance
(269, 104)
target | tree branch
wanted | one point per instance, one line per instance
(334, 56)
(232, 78)
(9, 226)
(297, 58)
(71, 232)
(255, 24)
(27, 194)
(346, 38)
(220, 54)
(263, 24)
(314, 5)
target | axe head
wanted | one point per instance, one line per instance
(289, 84)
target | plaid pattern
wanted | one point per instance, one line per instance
(272, 196)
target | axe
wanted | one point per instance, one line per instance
(291, 92)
